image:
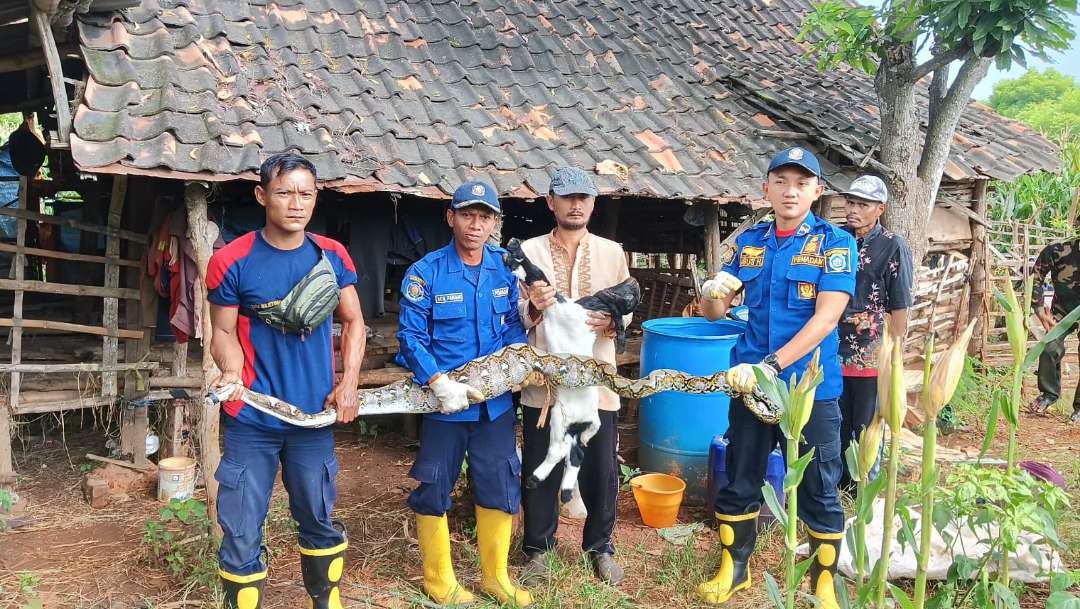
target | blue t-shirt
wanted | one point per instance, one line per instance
(298, 369)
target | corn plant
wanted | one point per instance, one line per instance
(939, 385)
(1017, 331)
(893, 401)
(861, 456)
(797, 400)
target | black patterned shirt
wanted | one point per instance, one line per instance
(883, 284)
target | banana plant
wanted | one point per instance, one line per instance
(939, 385)
(797, 400)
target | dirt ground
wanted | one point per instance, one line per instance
(73, 556)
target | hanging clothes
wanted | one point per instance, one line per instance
(171, 263)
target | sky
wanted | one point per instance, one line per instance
(1067, 62)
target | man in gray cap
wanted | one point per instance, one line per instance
(580, 264)
(883, 286)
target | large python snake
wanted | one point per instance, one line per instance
(502, 371)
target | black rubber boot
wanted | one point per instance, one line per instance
(322, 570)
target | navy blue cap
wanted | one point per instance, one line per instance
(475, 192)
(572, 181)
(796, 156)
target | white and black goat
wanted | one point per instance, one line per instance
(574, 418)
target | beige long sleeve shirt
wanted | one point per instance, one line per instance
(600, 263)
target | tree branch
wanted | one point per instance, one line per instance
(939, 86)
(946, 115)
(938, 61)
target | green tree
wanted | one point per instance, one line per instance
(886, 41)
(1048, 101)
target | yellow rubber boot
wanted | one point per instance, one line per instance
(823, 570)
(440, 583)
(493, 541)
(322, 570)
(242, 591)
(737, 533)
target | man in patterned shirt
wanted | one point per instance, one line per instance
(1062, 262)
(883, 286)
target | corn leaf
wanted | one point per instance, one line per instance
(902, 599)
(773, 502)
(1060, 329)
(796, 470)
(851, 459)
(992, 421)
(864, 503)
(803, 566)
(773, 589)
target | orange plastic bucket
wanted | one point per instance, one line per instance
(658, 497)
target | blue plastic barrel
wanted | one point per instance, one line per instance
(676, 428)
(774, 475)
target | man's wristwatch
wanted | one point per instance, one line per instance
(771, 361)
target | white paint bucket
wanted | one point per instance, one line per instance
(176, 478)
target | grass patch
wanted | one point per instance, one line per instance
(974, 394)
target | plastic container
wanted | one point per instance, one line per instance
(176, 478)
(677, 428)
(658, 498)
(774, 475)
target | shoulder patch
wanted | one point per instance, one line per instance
(414, 290)
(727, 254)
(838, 260)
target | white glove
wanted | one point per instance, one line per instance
(742, 379)
(721, 286)
(452, 395)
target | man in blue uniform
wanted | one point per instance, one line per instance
(459, 303)
(798, 273)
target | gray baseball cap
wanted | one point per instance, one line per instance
(871, 188)
(572, 181)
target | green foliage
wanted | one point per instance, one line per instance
(1013, 96)
(181, 540)
(627, 473)
(8, 124)
(7, 499)
(1041, 198)
(1006, 30)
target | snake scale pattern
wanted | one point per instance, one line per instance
(502, 371)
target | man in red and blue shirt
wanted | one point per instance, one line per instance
(255, 269)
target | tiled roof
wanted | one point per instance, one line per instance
(669, 98)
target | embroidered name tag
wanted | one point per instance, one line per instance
(807, 291)
(503, 291)
(751, 256)
(445, 298)
(838, 260)
(809, 260)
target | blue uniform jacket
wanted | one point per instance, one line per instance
(446, 321)
(781, 283)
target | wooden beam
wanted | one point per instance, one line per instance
(30, 59)
(57, 255)
(57, 406)
(712, 241)
(68, 289)
(80, 367)
(56, 74)
(142, 468)
(83, 226)
(63, 326)
(209, 443)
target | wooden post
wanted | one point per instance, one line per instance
(979, 277)
(56, 75)
(712, 241)
(110, 346)
(195, 200)
(1072, 210)
(7, 468)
